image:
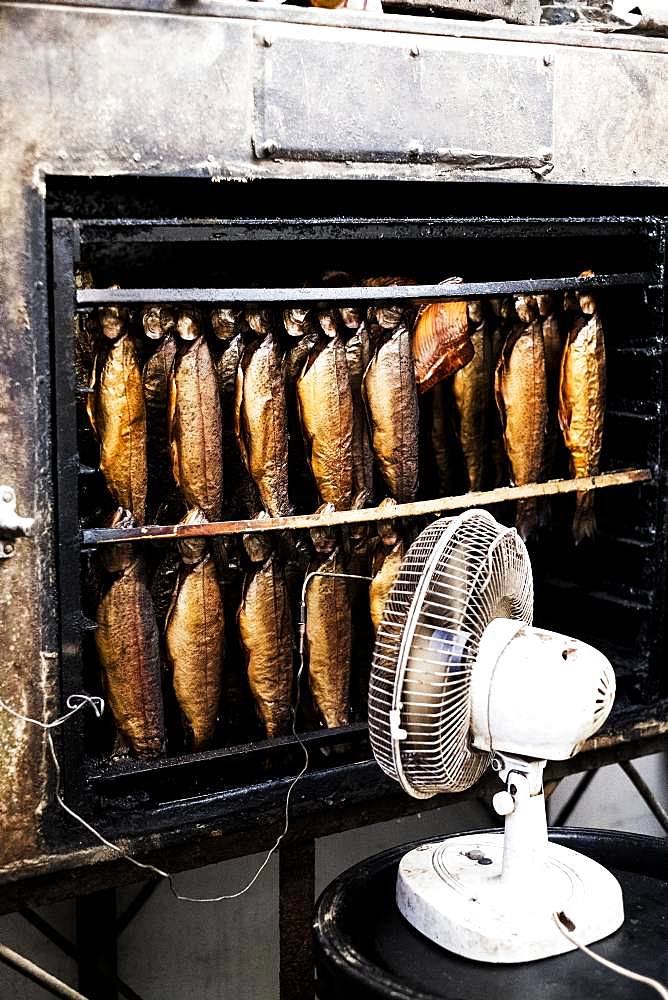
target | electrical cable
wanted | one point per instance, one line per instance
(566, 926)
(77, 701)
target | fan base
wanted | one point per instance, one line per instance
(452, 891)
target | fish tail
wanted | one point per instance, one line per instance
(527, 518)
(584, 519)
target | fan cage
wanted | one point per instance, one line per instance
(459, 574)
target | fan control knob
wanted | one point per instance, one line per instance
(504, 803)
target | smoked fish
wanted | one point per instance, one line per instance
(391, 399)
(117, 413)
(441, 342)
(442, 438)
(387, 560)
(260, 414)
(521, 396)
(553, 349)
(195, 421)
(504, 318)
(265, 630)
(128, 647)
(582, 392)
(84, 334)
(194, 638)
(471, 389)
(358, 355)
(158, 323)
(326, 413)
(329, 635)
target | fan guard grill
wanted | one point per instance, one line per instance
(457, 576)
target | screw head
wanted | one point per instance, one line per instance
(547, 60)
(8, 495)
(414, 50)
(8, 548)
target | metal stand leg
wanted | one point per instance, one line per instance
(296, 901)
(96, 942)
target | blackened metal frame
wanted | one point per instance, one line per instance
(330, 798)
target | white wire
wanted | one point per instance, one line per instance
(647, 980)
(77, 701)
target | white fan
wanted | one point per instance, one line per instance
(460, 679)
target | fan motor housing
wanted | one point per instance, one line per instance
(537, 693)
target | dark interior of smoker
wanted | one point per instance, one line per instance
(610, 592)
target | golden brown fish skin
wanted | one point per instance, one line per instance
(329, 641)
(156, 375)
(261, 422)
(265, 629)
(387, 562)
(84, 334)
(521, 395)
(553, 350)
(326, 413)
(194, 640)
(195, 429)
(117, 413)
(358, 355)
(582, 392)
(471, 388)
(241, 497)
(391, 398)
(503, 309)
(128, 647)
(441, 344)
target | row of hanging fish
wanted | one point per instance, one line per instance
(130, 642)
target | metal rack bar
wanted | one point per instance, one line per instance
(358, 293)
(56, 987)
(176, 230)
(646, 793)
(627, 477)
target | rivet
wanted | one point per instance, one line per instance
(7, 496)
(547, 60)
(415, 52)
(8, 548)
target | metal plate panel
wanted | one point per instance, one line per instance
(341, 95)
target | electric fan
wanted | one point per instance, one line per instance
(461, 680)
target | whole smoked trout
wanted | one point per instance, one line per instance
(329, 631)
(521, 396)
(84, 334)
(117, 413)
(260, 414)
(582, 391)
(265, 629)
(387, 560)
(194, 638)
(472, 388)
(158, 323)
(129, 650)
(441, 343)
(392, 404)
(358, 355)
(195, 423)
(504, 318)
(326, 413)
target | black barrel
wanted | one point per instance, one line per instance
(365, 949)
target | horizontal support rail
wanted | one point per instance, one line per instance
(627, 477)
(234, 230)
(357, 293)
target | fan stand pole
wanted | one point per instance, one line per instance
(523, 805)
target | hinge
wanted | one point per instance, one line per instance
(12, 526)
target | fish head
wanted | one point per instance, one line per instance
(495, 304)
(294, 321)
(259, 320)
(157, 321)
(545, 303)
(388, 317)
(526, 308)
(475, 311)
(324, 537)
(118, 556)
(189, 323)
(570, 301)
(351, 316)
(328, 320)
(388, 530)
(258, 545)
(507, 307)
(113, 320)
(192, 549)
(586, 299)
(223, 322)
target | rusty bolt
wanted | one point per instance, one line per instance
(8, 548)
(7, 496)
